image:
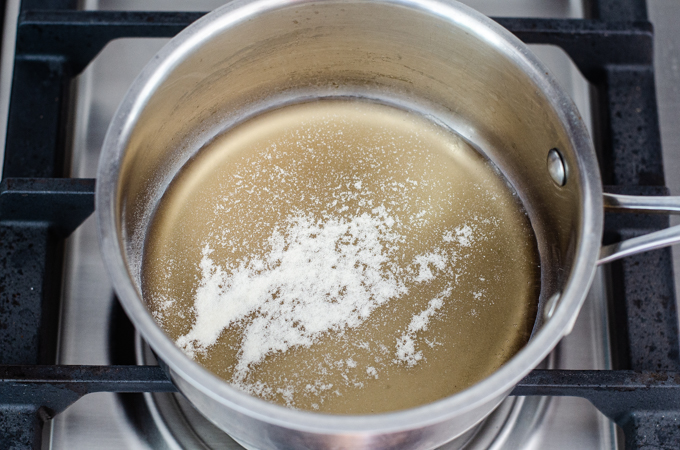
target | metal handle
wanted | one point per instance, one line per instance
(651, 241)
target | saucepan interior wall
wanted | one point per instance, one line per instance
(461, 76)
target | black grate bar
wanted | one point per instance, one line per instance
(61, 203)
(49, 4)
(20, 427)
(33, 394)
(592, 44)
(642, 306)
(57, 387)
(647, 430)
(80, 35)
(613, 392)
(629, 139)
(644, 404)
(616, 9)
(30, 280)
(36, 128)
(643, 317)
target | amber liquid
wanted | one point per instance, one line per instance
(334, 160)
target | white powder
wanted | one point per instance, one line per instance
(437, 259)
(372, 372)
(461, 234)
(406, 347)
(406, 351)
(287, 394)
(316, 277)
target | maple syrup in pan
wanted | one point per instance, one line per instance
(343, 256)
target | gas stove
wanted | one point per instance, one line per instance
(63, 334)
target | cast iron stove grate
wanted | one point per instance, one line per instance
(39, 208)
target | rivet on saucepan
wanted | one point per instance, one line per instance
(556, 167)
(551, 306)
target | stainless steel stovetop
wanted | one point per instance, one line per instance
(92, 330)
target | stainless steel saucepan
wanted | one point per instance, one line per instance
(435, 57)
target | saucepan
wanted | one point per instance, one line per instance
(435, 57)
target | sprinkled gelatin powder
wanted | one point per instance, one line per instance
(343, 256)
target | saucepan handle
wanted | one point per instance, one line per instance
(651, 241)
